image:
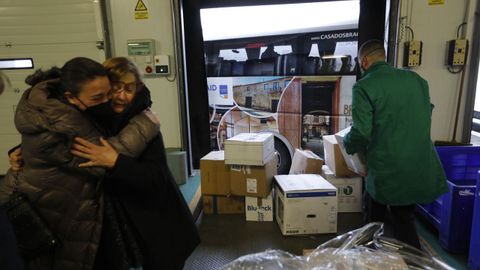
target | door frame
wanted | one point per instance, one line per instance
(472, 77)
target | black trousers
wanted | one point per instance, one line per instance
(399, 221)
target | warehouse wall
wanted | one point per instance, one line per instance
(435, 25)
(158, 26)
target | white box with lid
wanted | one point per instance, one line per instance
(249, 149)
(305, 204)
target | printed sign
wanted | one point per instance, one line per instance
(141, 11)
(436, 2)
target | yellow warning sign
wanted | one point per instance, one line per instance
(436, 2)
(141, 11)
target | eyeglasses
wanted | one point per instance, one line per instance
(129, 88)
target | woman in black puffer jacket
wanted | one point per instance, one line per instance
(59, 106)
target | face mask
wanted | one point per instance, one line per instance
(102, 110)
(101, 113)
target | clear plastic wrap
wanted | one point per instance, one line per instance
(364, 248)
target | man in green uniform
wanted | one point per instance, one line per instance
(392, 112)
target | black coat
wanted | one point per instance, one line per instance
(157, 210)
(9, 258)
(145, 187)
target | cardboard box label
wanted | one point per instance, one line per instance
(255, 181)
(349, 191)
(259, 209)
(251, 185)
(237, 168)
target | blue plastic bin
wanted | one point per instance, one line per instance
(474, 256)
(452, 213)
(460, 162)
(456, 216)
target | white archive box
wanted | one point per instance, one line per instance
(249, 149)
(349, 191)
(259, 209)
(305, 204)
(355, 162)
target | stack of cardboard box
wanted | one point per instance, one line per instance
(240, 179)
(337, 172)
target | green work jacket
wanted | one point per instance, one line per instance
(391, 113)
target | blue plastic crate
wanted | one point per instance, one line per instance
(452, 212)
(460, 162)
(456, 216)
(432, 211)
(452, 215)
(474, 256)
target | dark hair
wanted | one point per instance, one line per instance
(72, 75)
(40, 76)
(79, 70)
(371, 46)
(118, 67)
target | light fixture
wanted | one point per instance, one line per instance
(333, 56)
(16, 63)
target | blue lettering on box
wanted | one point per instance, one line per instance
(312, 194)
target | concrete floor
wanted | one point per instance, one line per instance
(227, 237)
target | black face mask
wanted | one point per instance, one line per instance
(100, 110)
(102, 113)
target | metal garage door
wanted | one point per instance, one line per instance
(50, 32)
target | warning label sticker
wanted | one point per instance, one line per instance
(436, 2)
(141, 11)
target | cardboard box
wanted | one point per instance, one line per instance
(259, 209)
(223, 204)
(306, 162)
(355, 162)
(305, 204)
(214, 174)
(253, 181)
(349, 191)
(334, 157)
(249, 149)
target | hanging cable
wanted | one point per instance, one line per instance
(460, 27)
(411, 32)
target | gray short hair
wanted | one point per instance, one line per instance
(370, 47)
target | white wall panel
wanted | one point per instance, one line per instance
(158, 27)
(435, 25)
(49, 31)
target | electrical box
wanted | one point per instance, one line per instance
(412, 53)
(162, 64)
(457, 52)
(142, 52)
